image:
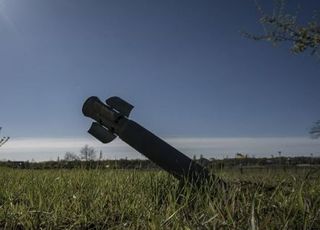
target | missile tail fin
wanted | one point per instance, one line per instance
(101, 133)
(120, 105)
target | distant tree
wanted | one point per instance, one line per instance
(281, 26)
(69, 156)
(315, 130)
(87, 153)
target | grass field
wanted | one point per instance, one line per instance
(120, 199)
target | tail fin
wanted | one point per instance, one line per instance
(101, 133)
(120, 105)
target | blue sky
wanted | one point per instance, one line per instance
(182, 64)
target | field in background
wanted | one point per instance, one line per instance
(137, 199)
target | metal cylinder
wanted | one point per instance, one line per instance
(160, 152)
(114, 118)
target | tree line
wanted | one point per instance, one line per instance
(144, 164)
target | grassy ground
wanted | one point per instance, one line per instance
(119, 199)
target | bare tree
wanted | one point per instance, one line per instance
(3, 140)
(69, 156)
(315, 130)
(87, 153)
(281, 26)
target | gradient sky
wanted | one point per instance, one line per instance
(182, 64)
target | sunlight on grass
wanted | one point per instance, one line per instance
(118, 199)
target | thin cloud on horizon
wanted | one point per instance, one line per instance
(41, 149)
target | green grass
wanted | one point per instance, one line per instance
(119, 199)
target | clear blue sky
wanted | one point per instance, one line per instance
(182, 64)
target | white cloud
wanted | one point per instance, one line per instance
(257, 146)
(50, 148)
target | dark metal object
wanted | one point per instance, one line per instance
(112, 119)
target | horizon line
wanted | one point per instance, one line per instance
(42, 148)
